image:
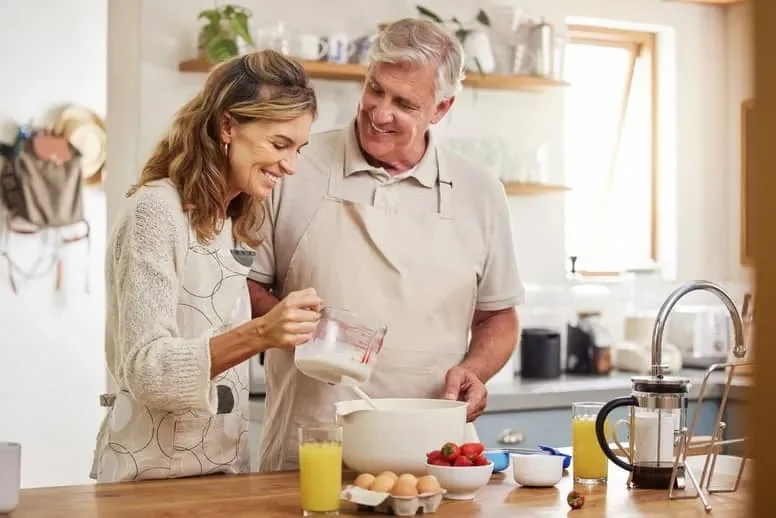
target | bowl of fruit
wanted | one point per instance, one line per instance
(461, 470)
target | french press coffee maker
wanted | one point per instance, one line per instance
(658, 412)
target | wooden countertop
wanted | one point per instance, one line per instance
(277, 495)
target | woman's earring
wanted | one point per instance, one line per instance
(226, 149)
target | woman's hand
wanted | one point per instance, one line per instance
(292, 321)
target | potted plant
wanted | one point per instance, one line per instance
(475, 41)
(225, 33)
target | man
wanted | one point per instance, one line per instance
(382, 221)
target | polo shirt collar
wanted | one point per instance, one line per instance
(425, 172)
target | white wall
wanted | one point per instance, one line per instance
(51, 350)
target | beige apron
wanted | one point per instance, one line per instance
(410, 271)
(137, 442)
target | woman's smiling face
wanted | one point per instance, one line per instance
(262, 152)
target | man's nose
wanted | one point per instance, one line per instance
(382, 115)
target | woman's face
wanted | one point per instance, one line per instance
(262, 152)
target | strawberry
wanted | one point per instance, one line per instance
(433, 455)
(450, 451)
(472, 449)
(575, 499)
(479, 460)
(439, 462)
(463, 460)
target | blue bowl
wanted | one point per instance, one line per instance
(550, 449)
(499, 458)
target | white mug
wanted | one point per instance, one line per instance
(10, 475)
(309, 47)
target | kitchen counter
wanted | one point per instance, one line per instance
(277, 495)
(523, 394)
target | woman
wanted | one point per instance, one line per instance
(178, 314)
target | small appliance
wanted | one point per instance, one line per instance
(540, 353)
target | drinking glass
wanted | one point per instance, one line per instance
(10, 474)
(590, 464)
(320, 469)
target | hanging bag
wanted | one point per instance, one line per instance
(42, 189)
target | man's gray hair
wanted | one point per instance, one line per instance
(422, 42)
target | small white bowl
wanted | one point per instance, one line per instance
(537, 470)
(461, 482)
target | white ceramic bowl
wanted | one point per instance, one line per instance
(398, 436)
(461, 482)
(537, 470)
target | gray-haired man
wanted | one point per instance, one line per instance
(382, 220)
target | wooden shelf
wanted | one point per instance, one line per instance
(710, 2)
(349, 72)
(532, 189)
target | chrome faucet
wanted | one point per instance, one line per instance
(739, 347)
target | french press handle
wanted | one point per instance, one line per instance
(600, 432)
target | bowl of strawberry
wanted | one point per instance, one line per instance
(461, 470)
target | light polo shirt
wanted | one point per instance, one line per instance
(480, 210)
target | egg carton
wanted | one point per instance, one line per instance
(374, 501)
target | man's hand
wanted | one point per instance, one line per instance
(462, 385)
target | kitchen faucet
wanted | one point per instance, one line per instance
(739, 348)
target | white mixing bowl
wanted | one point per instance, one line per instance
(398, 436)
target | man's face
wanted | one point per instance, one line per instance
(397, 107)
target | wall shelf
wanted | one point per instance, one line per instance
(710, 2)
(532, 189)
(350, 72)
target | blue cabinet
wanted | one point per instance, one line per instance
(553, 426)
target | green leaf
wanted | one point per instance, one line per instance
(210, 31)
(483, 18)
(239, 25)
(210, 14)
(228, 11)
(221, 49)
(428, 13)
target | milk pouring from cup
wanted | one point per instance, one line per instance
(343, 349)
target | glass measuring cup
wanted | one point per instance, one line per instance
(343, 349)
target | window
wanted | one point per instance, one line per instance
(610, 149)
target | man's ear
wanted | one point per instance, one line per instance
(441, 109)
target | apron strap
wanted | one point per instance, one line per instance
(337, 169)
(445, 186)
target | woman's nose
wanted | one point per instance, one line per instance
(288, 166)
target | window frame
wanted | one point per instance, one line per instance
(642, 45)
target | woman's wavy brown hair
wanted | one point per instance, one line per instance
(262, 85)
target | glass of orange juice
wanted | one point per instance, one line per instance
(590, 465)
(320, 469)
